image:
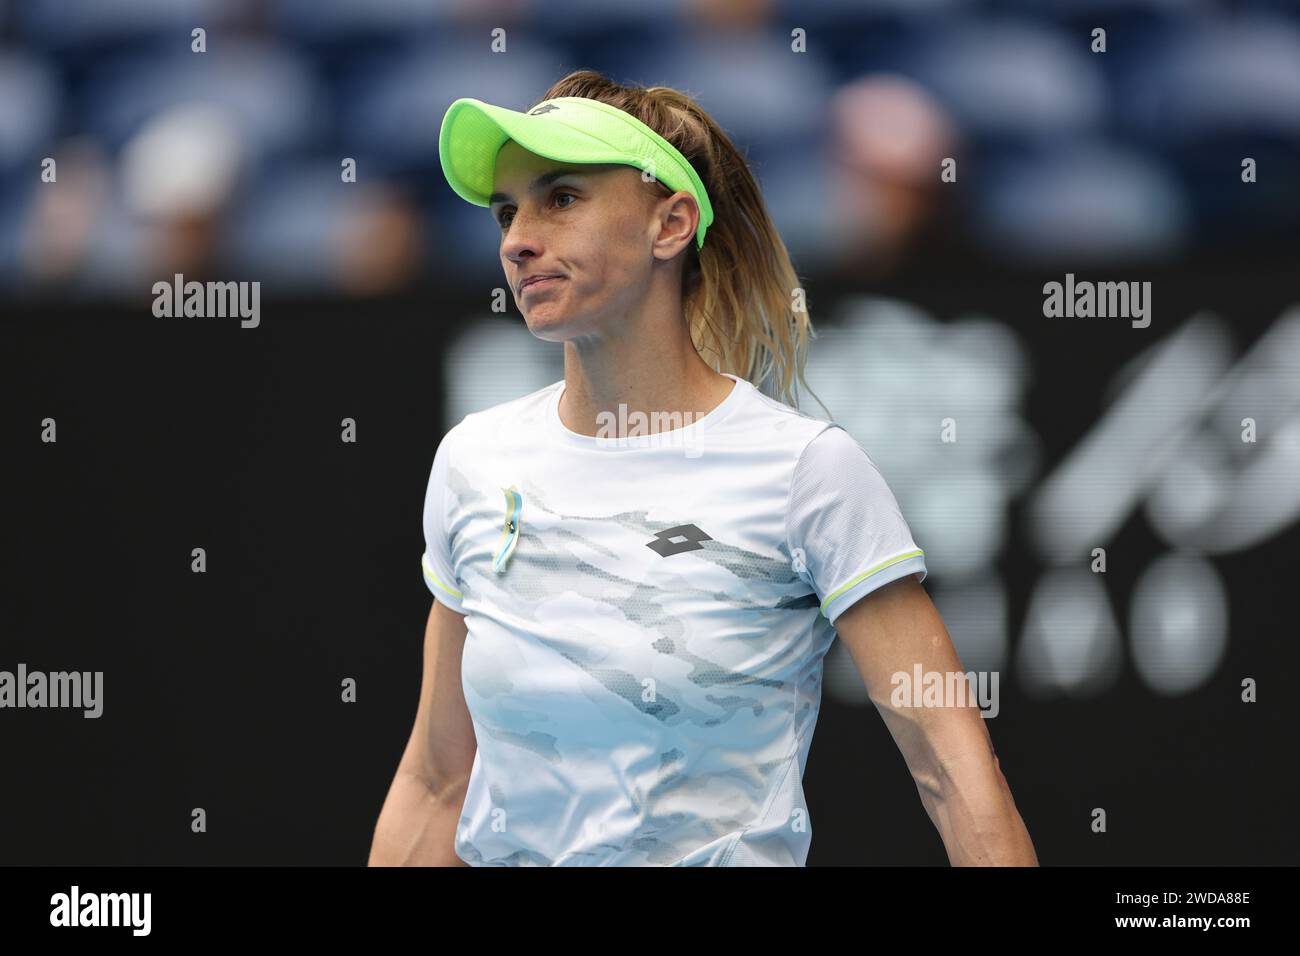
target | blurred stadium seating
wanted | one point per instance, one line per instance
(1062, 151)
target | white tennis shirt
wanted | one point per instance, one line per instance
(644, 673)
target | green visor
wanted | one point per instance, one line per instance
(568, 129)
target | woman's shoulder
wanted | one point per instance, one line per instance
(525, 411)
(778, 420)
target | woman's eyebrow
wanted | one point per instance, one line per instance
(541, 182)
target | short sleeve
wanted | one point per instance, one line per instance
(844, 528)
(439, 574)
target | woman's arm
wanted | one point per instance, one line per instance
(948, 749)
(417, 825)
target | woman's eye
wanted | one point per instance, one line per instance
(504, 219)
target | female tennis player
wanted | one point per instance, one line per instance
(638, 570)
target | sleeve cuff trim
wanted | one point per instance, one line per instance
(906, 555)
(434, 580)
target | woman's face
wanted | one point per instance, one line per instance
(592, 226)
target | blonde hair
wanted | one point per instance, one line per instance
(738, 291)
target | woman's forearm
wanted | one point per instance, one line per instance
(971, 806)
(416, 827)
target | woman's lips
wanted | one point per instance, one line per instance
(536, 283)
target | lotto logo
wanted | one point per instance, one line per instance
(684, 537)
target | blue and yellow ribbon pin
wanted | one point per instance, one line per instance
(510, 531)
